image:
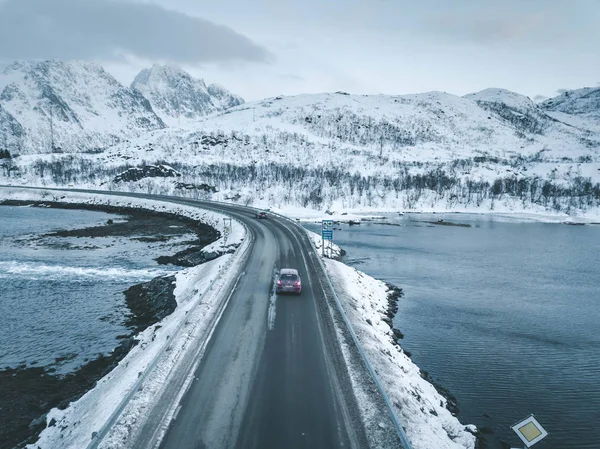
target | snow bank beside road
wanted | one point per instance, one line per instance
(74, 426)
(115, 410)
(420, 408)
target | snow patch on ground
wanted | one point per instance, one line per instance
(420, 408)
(525, 214)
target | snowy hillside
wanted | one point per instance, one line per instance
(75, 106)
(178, 98)
(517, 110)
(494, 150)
(584, 101)
(491, 150)
(372, 133)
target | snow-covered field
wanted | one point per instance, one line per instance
(513, 214)
(420, 409)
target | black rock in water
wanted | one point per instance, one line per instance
(150, 302)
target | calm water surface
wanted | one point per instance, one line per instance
(505, 314)
(61, 301)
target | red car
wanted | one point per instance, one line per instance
(289, 281)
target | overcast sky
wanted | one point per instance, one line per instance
(260, 48)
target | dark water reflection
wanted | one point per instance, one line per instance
(505, 314)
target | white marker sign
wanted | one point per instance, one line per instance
(530, 431)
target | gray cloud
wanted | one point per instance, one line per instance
(540, 98)
(562, 91)
(105, 29)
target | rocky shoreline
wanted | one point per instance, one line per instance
(29, 393)
(394, 295)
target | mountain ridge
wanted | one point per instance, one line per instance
(178, 97)
(417, 151)
(71, 106)
(584, 101)
(53, 106)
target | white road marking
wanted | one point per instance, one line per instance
(176, 412)
(272, 303)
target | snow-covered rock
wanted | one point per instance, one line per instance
(11, 131)
(147, 171)
(55, 106)
(179, 98)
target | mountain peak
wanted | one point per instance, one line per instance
(518, 110)
(71, 105)
(505, 96)
(170, 75)
(178, 97)
(585, 101)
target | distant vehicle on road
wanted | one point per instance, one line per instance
(261, 214)
(289, 281)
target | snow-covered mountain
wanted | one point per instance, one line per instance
(493, 149)
(178, 98)
(374, 134)
(579, 108)
(75, 106)
(434, 151)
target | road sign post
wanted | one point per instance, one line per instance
(326, 234)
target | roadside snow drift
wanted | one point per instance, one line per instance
(420, 408)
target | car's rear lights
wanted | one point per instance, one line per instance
(298, 284)
(278, 282)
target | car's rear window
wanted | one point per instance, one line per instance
(288, 277)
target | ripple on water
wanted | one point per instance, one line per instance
(503, 314)
(62, 304)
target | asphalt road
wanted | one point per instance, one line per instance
(271, 376)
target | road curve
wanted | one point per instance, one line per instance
(273, 374)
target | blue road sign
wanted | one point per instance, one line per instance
(327, 234)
